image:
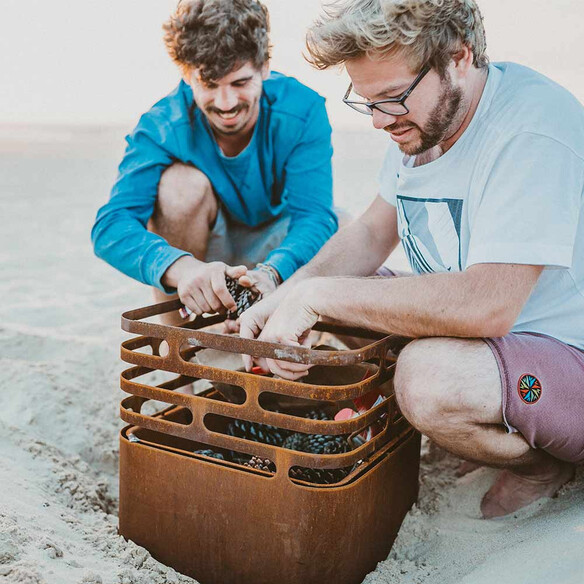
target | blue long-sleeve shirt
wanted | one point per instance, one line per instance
(287, 169)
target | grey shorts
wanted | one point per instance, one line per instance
(542, 382)
(237, 244)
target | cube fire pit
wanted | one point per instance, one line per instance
(253, 481)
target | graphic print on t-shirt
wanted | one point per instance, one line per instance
(430, 233)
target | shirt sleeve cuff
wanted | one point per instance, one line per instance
(510, 253)
(282, 262)
(162, 263)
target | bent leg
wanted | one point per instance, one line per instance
(185, 211)
(450, 390)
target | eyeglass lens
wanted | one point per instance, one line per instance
(392, 109)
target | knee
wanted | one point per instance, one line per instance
(184, 190)
(421, 385)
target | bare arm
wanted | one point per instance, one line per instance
(359, 248)
(483, 301)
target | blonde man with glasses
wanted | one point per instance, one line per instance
(483, 184)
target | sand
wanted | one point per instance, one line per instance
(59, 352)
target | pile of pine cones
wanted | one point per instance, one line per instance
(311, 443)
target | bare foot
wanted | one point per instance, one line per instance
(513, 490)
(465, 467)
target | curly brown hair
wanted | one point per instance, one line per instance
(216, 36)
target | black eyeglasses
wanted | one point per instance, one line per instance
(393, 106)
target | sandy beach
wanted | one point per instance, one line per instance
(59, 351)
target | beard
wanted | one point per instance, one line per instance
(442, 117)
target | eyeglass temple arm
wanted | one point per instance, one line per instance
(419, 78)
(348, 91)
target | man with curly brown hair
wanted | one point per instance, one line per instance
(230, 171)
(483, 184)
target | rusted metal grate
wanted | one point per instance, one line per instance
(159, 462)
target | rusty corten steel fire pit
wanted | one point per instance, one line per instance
(224, 523)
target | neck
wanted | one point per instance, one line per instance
(476, 87)
(232, 145)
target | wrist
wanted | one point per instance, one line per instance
(177, 269)
(273, 274)
(312, 292)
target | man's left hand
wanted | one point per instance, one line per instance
(259, 280)
(290, 324)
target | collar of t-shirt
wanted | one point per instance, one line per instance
(236, 167)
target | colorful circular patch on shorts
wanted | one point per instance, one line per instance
(529, 389)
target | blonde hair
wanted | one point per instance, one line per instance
(424, 31)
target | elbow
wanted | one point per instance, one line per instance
(101, 244)
(101, 236)
(490, 323)
(496, 330)
(96, 241)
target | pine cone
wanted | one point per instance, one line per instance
(261, 464)
(232, 286)
(294, 442)
(257, 432)
(244, 297)
(321, 476)
(317, 415)
(210, 453)
(317, 443)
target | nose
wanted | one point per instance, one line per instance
(381, 120)
(226, 98)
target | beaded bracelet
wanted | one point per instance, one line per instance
(273, 273)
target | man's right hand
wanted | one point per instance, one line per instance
(253, 321)
(201, 286)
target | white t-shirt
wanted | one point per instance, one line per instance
(510, 190)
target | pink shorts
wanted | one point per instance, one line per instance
(542, 381)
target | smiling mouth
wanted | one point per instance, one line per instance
(227, 116)
(230, 115)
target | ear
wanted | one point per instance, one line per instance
(187, 75)
(265, 70)
(462, 60)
